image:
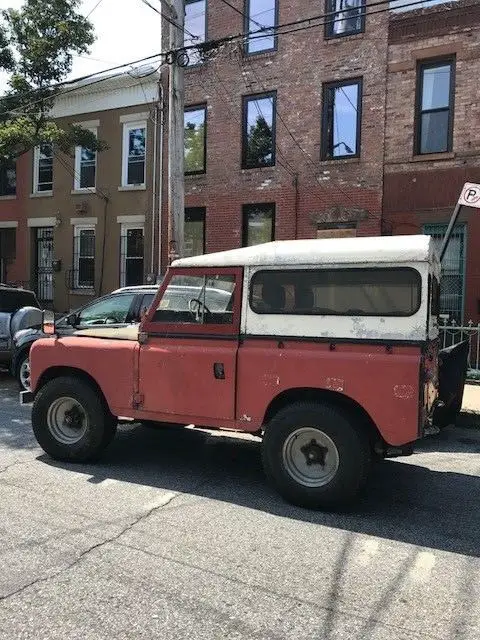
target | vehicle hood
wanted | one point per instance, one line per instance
(129, 332)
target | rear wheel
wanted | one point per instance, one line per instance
(315, 456)
(70, 420)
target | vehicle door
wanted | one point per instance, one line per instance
(187, 362)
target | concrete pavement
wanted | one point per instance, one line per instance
(175, 535)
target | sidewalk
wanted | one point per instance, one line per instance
(470, 415)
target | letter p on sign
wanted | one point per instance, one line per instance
(470, 195)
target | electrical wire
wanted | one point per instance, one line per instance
(169, 20)
(97, 5)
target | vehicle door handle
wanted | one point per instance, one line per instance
(219, 371)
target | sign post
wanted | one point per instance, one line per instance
(470, 197)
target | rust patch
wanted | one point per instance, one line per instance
(335, 384)
(403, 391)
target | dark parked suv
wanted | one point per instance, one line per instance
(19, 309)
(117, 309)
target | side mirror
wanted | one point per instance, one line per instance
(72, 319)
(48, 323)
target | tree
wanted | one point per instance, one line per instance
(260, 144)
(194, 147)
(37, 44)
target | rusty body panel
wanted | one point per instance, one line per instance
(383, 380)
(110, 362)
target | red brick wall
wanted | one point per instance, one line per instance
(297, 70)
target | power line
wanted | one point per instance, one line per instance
(97, 5)
(168, 19)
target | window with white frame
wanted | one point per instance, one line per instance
(85, 167)
(134, 150)
(43, 168)
(84, 257)
(131, 255)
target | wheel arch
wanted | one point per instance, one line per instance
(325, 396)
(73, 372)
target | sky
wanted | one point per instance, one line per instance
(126, 30)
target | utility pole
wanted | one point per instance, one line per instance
(176, 102)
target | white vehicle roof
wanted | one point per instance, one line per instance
(375, 250)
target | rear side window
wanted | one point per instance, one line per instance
(11, 300)
(337, 292)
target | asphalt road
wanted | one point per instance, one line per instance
(176, 535)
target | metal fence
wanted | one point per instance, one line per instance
(452, 333)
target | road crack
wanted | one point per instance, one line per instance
(168, 499)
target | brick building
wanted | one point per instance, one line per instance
(314, 133)
(82, 225)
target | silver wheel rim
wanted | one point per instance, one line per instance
(24, 374)
(67, 420)
(310, 457)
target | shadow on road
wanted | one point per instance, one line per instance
(403, 501)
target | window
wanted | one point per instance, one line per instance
(195, 139)
(342, 107)
(84, 257)
(435, 96)
(134, 149)
(85, 167)
(8, 178)
(112, 310)
(195, 28)
(258, 224)
(337, 292)
(261, 14)
(131, 255)
(346, 18)
(194, 231)
(11, 300)
(197, 300)
(258, 140)
(452, 281)
(43, 168)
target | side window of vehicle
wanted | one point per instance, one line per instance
(197, 299)
(113, 310)
(145, 304)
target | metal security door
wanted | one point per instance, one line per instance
(452, 282)
(44, 264)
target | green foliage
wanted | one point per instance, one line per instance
(194, 147)
(37, 44)
(260, 144)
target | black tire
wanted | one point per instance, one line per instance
(99, 427)
(352, 453)
(24, 356)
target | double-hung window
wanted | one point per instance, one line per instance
(342, 109)
(85, 167)
(8, 178)
(134, 154)
(195, 28)
(84, 257)
(261, 18)
(344, 18)
(195, 139)
(43, 168)
(258, 139)
(434, 113)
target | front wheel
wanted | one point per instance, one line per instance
(23, 372)
(70, 421)
(315, 456)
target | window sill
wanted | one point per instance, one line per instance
(8, 197)
(82, 292)
(82, 192)
(189, 176)
(339, 161)
(434, 157)
(41, 194)
(133, 187)
(341, 38)
(259, 55)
